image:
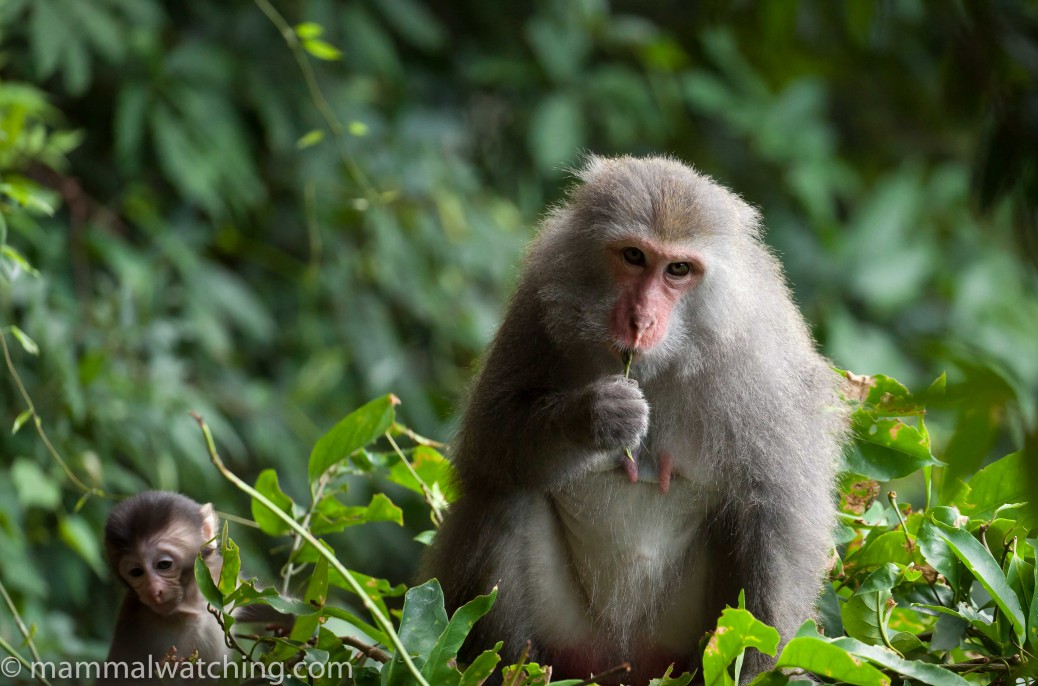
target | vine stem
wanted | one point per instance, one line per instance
(38, 423)
(436, 516)
(380, 619)
(320, 102)
(20, 623)
(22, 661)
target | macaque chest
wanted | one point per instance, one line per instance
(621, 569)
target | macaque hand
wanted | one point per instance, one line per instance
(613, 413)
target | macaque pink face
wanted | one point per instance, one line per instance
(154, 572)
(652, 278)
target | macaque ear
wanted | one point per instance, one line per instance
(209, 521)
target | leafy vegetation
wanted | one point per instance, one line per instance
(268, 213)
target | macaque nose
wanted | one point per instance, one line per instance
(641, 323)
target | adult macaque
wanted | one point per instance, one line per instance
(732, 417)
(151, 542)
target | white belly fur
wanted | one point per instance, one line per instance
(613, 562)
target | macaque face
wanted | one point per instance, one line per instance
(653, 278)
(155, 570)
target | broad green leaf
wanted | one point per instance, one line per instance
(331, 515)
(918, 671)
(986, 570)
(887, 448)
(482, 667)
(668, 680)
(556, 131)
(1006, 480)
(938, 554)
(27, 343)
(820, 657)
(356, 430)
(204, 579)
(736, 631)
(268, 486)
(890, 546)
(864, 613)
(82, 538)
(948, 632)
(423, 620)
(34, 487)
(441, 667)
(347, 616)
(231, 567)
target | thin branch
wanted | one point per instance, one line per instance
(373, 652)
(38, 423)
(622, 668)
(8, 648)
(437, 516)
(21, 624)
(320, 102)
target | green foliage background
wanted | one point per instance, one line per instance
(200, 246)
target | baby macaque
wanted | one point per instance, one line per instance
(151, 542)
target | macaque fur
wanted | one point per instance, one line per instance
(733, 418)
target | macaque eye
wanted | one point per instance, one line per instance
(135, 572)
(679, 269)
(634, 256)
(164, 564)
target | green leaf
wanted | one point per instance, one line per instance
(864, 613)
(357, 128)
(332, 516)
(736, 631)
(887, 448)
(431, 467)
(938, 554)
(308, 30)
(441, 668)
(1006, 480)
(986, 570)
(82, 538)
(20, 420)
(668, 680)
(482, 667)
(231, 567)
(889, 546)
(16, 257)
(204, 579)
(821, 657)
(556, 131)
(310, 138)
(268, 486)
(919, 671)
(421, 623)
(356, 430)
(28, 344)
(321, 50)
(35, 488)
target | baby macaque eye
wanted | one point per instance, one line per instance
(164, 564)
(136, 571)
(634, 256)
(679, 269)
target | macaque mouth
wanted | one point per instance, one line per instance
(163, 608)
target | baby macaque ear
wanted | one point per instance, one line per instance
(209, 521)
